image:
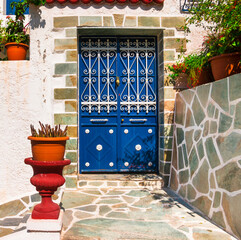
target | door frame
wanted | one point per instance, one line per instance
(120, 31)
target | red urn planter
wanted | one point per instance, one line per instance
(47, 177)
(16, 51)
(225, 65)
(48, 149)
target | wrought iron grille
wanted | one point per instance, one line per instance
(99, 72)
(186, 5)
(99, 58)
(137, 58)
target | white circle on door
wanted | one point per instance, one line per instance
(111, 131)
(87, 131)
(111, 164)
(99, 147)
(87, 164)
(138, 147)
(150, 130)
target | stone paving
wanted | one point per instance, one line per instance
(103, 209)
(133, 213)
(14, 214)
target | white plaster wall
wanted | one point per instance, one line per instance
(169, 8)
(1, 7)
(21, 103)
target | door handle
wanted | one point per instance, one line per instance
(138, 120)
(99, 120)
(117, 81)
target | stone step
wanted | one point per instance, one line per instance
(149, 181)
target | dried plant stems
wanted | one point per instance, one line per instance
(47, 131)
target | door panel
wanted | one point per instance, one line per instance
(99, 149)
(138, 148)
(117, 92)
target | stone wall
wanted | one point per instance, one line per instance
(206, 165)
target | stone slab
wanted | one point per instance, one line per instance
(45, 225)
(25, 235)
(5, 231)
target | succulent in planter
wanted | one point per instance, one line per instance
(48, 143)
(47, 131)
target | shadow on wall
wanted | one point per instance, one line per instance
(36, 20)
(3, 54)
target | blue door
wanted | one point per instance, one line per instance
(117, 104)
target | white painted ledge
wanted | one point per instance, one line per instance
(45, 225)
(42, 229)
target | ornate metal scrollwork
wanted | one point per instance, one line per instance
(137, 57)
(99, 59)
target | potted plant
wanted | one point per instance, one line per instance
(48, 144)
(191, 71)
(14, 35)
(224, 52)
(222, 20)
(179, 75)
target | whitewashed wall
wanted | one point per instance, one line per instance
(1, 7)
(21, 103)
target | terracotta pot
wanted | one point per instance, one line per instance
(181, 81)
(48, 149)
(225, 65)
(205, 77)
(16, 51)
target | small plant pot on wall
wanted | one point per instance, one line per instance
(205, 77)
(181, 82)
(16, 51)
(225, 65)
(48, 149)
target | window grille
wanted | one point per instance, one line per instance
(186, 5)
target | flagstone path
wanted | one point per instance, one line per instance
(121, 207)
(133, 213)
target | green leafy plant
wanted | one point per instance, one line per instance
(48, 131)
(222, 20)
(191, 65)
(15, 29)
(22, 6)
(217, 44)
